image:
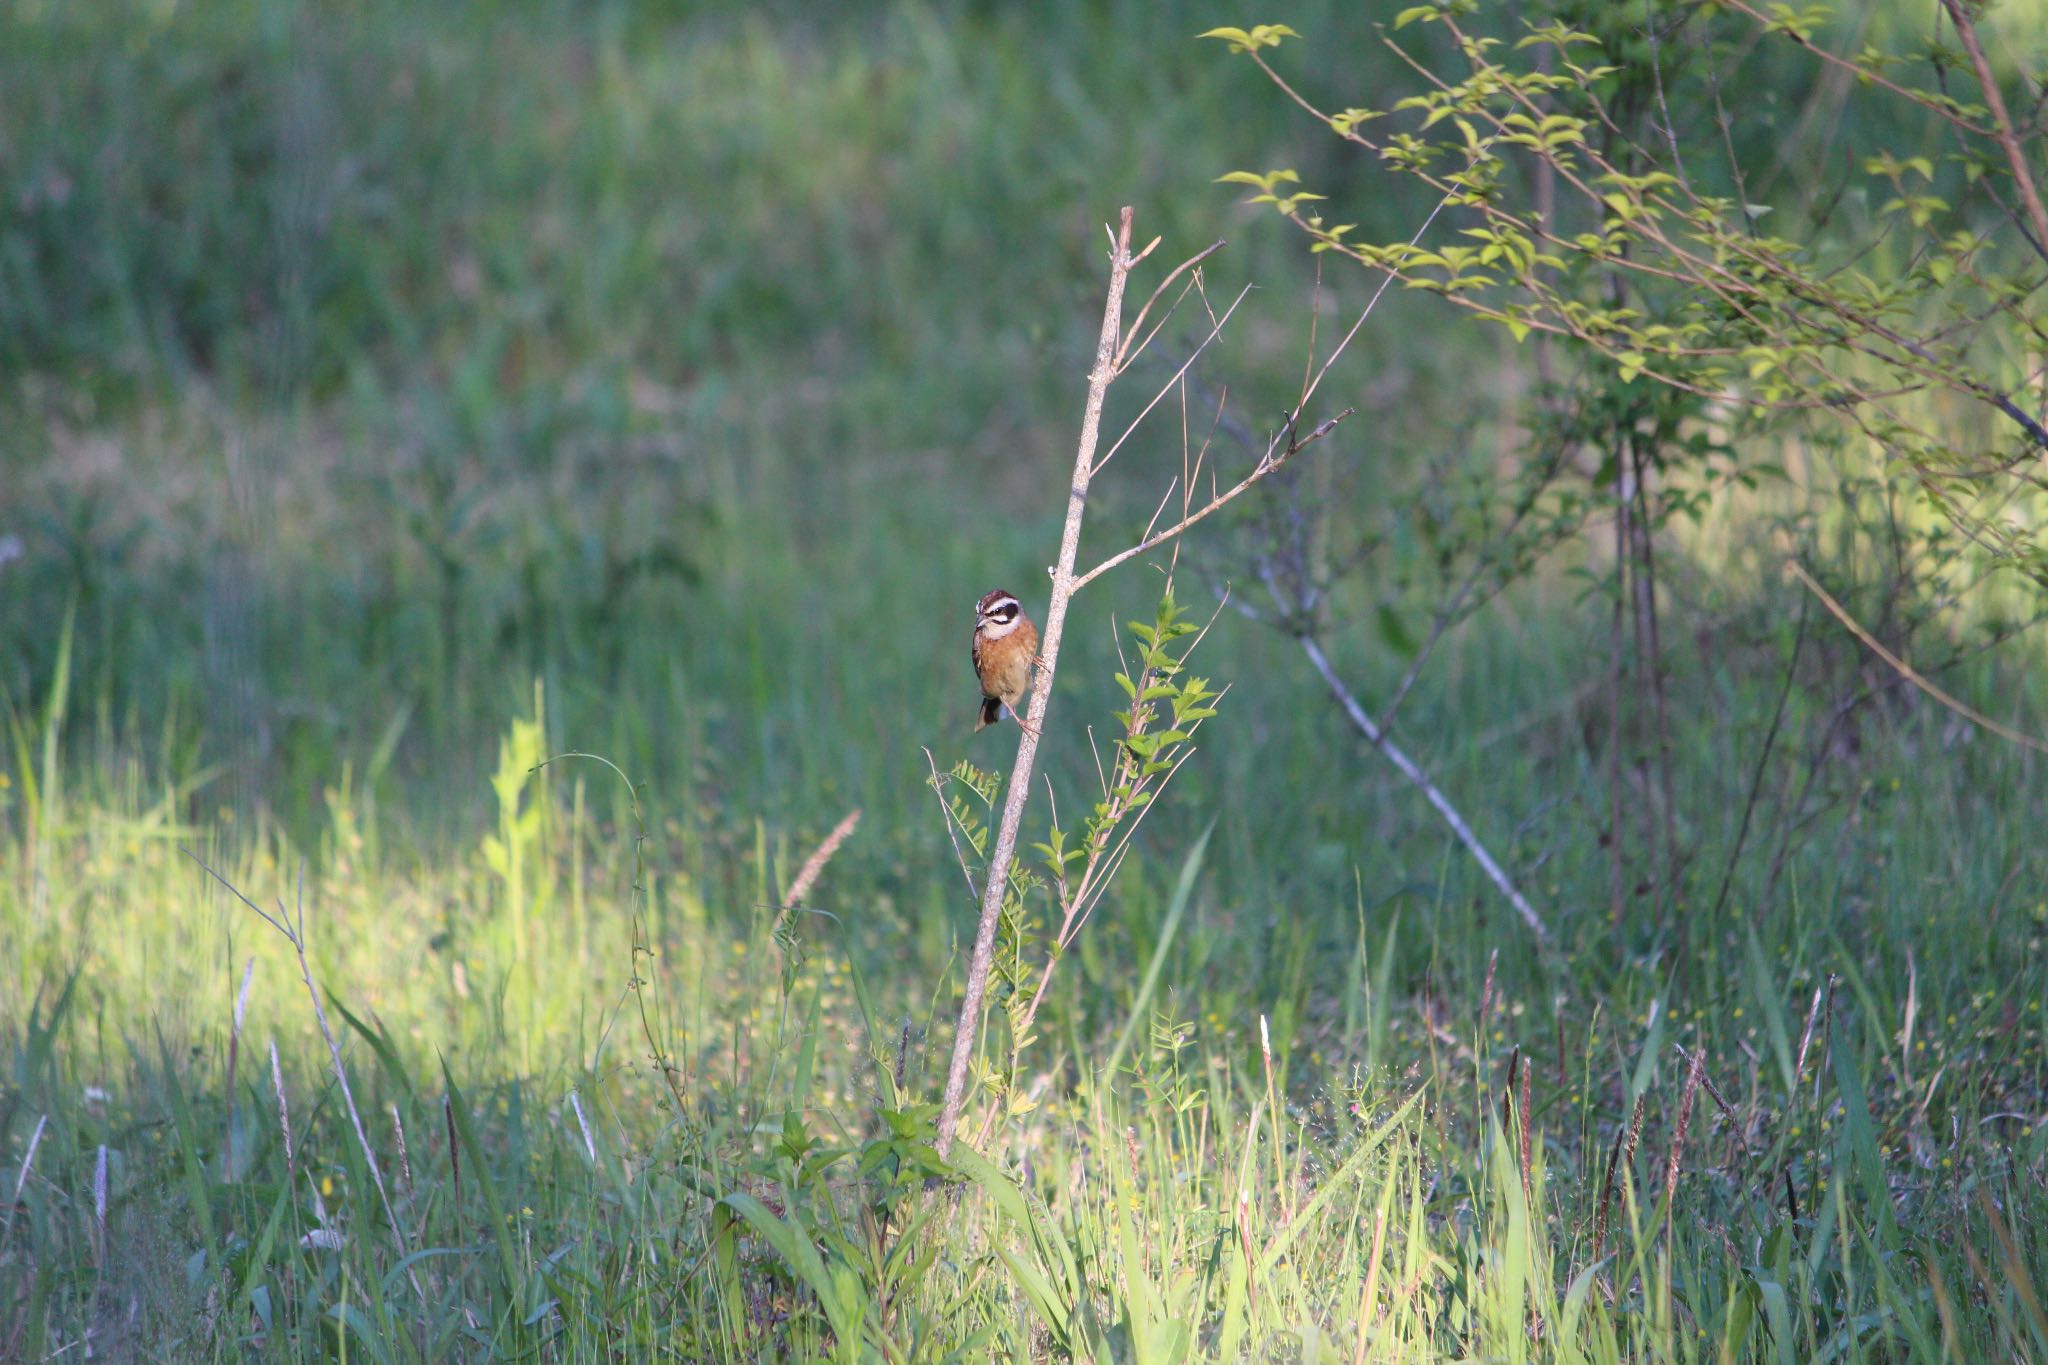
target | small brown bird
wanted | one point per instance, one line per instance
(1005, 648)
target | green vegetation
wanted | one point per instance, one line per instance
(404, 404)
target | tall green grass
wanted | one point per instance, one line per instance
(1307, 1081)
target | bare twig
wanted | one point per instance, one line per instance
(1124, 352)
(1409, 769)
(946, 811)
(1284, 443)
(1756, 781)
(28, 1159)
(1275, 456)
(1906, 670)
(1215, 330)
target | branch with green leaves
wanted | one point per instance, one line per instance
(1665, 278)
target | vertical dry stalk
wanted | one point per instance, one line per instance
(1649, 655)
(404, 1156)
(1280, 1184)
(1617, 857)
(1906, 1025)
(1827, 1036)
(1522, 1114)
(1692, 1089)
(99, 1207)
(589, 1143)
(28, 1159)
(227, 1155)
(1019, 791)
(284, 1115)
(1244, 1230)
(1486, 995)
(1806, 1037)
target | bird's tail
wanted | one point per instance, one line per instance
(991, 712)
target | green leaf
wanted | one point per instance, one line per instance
(494, 1208)
(1176, 908)
(1331, 1185)
(794, 1246)
(1258, 36)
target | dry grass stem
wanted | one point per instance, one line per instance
(1906, 670)
(822, 854)
(28, 1161)
(284, 1113)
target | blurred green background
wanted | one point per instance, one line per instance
(379, 357)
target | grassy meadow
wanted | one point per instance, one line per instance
(497, 485)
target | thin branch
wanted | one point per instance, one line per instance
(938, 789)
(1860, 71)
(1215, 331)
(1124, 354)
(1266, 465)
(2023, 179)
(1409, 769)
(1906, 670)
(1756, 781)
(28, 1159)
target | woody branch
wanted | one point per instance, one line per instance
(1115, 350)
